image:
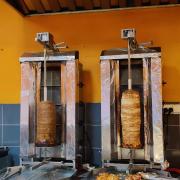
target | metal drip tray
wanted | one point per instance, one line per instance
(151, 174)
(49, 171)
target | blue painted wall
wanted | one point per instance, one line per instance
(93, 133)
(10, 130)
(90, 114)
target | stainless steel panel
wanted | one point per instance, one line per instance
(132, 56)
(27, 106)
(38, 83)
(114, 152)
(118, 107)
(105, 110)
(137, 153)
(24, 124)
(125, 153)
(63, 103)
(123, 51)
(56, 56)
(48, 152)
(77, 69)
(156, 91)
(146, 108)
(32, 105)
(71, 110)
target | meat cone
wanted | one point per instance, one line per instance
(130, 119)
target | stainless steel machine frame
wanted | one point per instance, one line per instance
(30, 96)
(110, 105)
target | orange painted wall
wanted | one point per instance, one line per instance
(90, 33)
(11, 46)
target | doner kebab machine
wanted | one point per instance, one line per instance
(49, 113)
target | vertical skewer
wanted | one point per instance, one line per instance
(45, 75)
(130, 160)
(129, 67)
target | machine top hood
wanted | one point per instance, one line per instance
(52, 56)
